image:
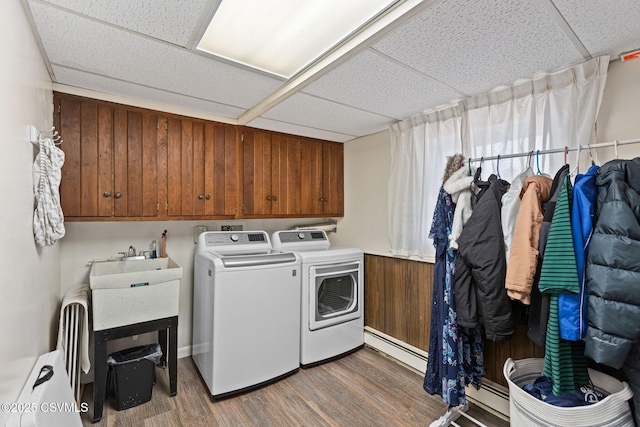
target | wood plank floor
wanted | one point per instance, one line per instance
(365, 388)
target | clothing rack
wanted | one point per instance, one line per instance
(457, 412)
(579, 148)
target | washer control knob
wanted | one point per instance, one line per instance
(234, 237)
(301, 236)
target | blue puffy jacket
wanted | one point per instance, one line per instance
(573, 307)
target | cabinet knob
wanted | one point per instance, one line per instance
(107, 194)
(207, 196)
(275, 198)
(269, 198)
(117, 195)
(201, 196)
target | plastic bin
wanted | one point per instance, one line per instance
(132, 375)
(527, 411)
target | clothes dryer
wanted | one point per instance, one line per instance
(332, 304)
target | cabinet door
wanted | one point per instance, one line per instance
(201, 168)
(311, 178)
(86, 186)
(285, 182)
(111, 161)
(322, 178)
(332, 179)
(222, 181)
(271, 174)
(257, 174)
(135, 142)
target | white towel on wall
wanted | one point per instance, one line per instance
(80, 294)
(48, 220)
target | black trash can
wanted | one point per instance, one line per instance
(132, 375)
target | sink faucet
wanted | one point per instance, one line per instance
(132, 251)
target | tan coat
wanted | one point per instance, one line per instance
(523, 259)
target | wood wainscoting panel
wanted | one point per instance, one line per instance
(398, 298)
(398, 294)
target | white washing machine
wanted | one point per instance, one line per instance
(246, 311)
(332, 315)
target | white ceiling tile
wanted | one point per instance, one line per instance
(76, 42)
(604, 27)
(276, 126)
(169, 20)
(309, 111)
(94, 82)
(476, 45)
(379, 85)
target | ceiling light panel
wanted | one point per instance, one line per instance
(284, 36)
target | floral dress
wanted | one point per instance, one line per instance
(455, 354)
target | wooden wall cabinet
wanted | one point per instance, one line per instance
(291, 176)
(322, 178)
(271, 174)
(111, 160)
(128, 163)
(202, 169)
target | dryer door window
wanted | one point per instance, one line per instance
(336, 295)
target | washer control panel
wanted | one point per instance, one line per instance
(215, 238)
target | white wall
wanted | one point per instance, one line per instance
(30, 281)
(619, 116)
(367, 160)
(366, 171)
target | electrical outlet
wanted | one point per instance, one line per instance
(231, 227)
(197, 231)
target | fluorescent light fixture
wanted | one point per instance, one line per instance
(284, 36)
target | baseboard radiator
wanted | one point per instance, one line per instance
(72, 317)
(492, 397)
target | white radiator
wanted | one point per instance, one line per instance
(73, 335)
(72, 317)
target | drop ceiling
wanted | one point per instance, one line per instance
(422, 55)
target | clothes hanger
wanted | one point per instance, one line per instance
(591, 155)
(566, 151)
(576, 170)
(538, 162)
(529, 159)
(615, 147)
(476, 177)
(498, 167)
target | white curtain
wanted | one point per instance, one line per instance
(553, 111)
(419, 148)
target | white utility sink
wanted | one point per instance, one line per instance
(128, 292)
